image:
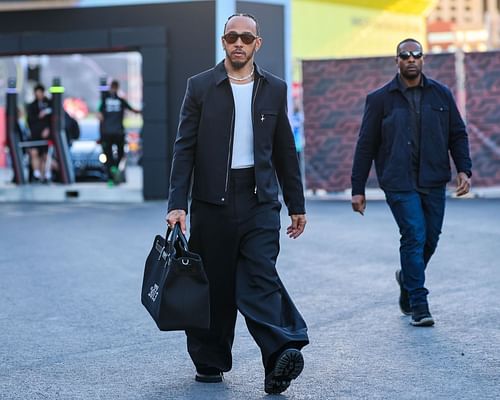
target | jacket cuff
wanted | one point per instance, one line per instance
(357, 190)
(296, 210)
(177, 206)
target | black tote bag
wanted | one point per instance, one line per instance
(175, 288)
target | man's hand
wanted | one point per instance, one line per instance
(358, 203)
(175, 216)
(297, 227)
(463, 184)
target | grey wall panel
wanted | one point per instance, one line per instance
(155, 102)
(155, 140)
(67, 41)
(10, 43)
(148, 36)
(155, 179)
(154, 65)
(271, 19)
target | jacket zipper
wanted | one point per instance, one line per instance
(229, 152)
(253, 109)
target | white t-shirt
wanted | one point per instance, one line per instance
(243, 126)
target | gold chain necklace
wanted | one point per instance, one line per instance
(241, 79)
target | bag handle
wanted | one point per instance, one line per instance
(176, 235)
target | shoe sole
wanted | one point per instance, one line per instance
(208, 378)
(428, 321)
(288, 367)
(398, 280)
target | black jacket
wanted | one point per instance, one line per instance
(385, 136)
(205, 138)
(113, 109)
(37, 124)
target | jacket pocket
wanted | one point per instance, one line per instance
(269, 112)
(439, 108)
(265, 120)
(441, 113)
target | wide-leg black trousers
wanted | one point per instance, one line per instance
(239, 245)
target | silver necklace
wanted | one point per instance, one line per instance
(241, 79)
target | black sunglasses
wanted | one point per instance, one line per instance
(405, 55)
(232, 37)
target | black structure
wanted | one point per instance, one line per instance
(13, 139)
(59, 134)
(176, 40)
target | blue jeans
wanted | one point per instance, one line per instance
(420, 219)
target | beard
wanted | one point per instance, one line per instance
(411, 74)
(239, 64)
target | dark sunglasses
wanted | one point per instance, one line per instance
(232, 37)
(405, 55)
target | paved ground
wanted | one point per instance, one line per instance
(72, 326)
(128, 192)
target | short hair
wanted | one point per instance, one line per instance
(38, 87)
(257, 27)
(115, 83)
(405, 41)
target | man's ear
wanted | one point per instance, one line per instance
(259, 44)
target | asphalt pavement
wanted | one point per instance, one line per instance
(72, 325)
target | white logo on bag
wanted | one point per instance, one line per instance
(153, 292)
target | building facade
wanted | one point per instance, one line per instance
(469, 25)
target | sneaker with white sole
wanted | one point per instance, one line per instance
(421, 316)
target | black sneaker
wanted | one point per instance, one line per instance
(208, 375)
(287, 367)
(421, 316)
(404, 296)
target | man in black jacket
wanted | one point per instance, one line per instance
(111, 113)
(39, 114)
(235, 136)
(410, 126)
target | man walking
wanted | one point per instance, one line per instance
(234, 133)
(111, 114)
(39, 114)
(410, 126)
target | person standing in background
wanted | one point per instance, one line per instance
(111, 113)
(39, 113)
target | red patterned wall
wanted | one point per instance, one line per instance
(483, 115)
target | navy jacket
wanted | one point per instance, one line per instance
(205, 139)
(385, 136)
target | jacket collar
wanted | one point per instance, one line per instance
(221, 73)
(395, 85)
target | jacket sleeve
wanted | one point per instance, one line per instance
(458, 139)
(32, 115)
(184, 151)
(367, 145)
(286, 162)
(126, 105)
